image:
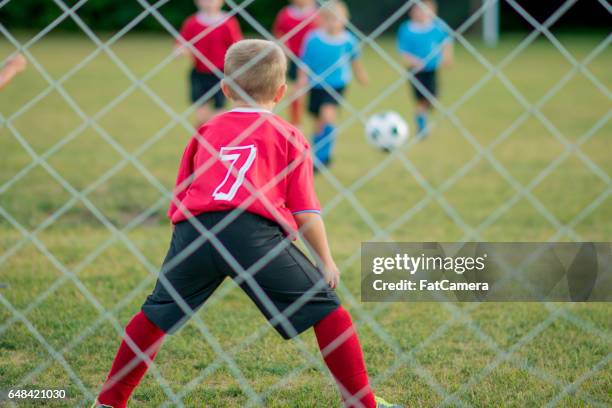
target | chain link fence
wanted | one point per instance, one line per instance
(344, 193)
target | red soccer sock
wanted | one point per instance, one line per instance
(128, 369)
(295, 111)
(341, 350)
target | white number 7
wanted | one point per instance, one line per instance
(241, 157)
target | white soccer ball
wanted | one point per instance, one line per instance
(386, 130)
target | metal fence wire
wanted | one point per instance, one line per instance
(368, 317)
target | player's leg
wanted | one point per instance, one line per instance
(291, 293)
(205, 91)
(420, 113)
(315, 98)
(141, 342)
(196, 95)
(424, 89)
(218, 99)
(325, 138)
(296, 106)
(341, 350)
(421, 116)
(190, 276)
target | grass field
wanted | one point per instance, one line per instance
(442, 351)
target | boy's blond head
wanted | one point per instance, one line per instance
(337, 8)
(257, 67)
(422, 5)
(209, 5)
(303, 3)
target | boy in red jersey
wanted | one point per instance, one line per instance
(247, 176)
(292, 24)
(211, 32)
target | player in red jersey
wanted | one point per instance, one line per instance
(247, 176)
(211, 32)
(292, 24)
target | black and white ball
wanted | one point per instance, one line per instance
(386, 130)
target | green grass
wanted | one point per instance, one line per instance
(561, 353)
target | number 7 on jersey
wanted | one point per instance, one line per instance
(241, 158)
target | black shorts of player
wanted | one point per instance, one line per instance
(288, 280)
(319, 97)
(201, 83)
(292, 71)
(426, 79)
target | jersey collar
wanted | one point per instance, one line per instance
(300, 13)
(207, 20)
(333, 39)
(250, 110)
(421, 27)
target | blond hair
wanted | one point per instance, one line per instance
(335, 6)
(257, 67)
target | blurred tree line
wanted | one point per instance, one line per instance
(111, 15)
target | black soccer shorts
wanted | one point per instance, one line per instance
(287, 277)
(428, 80)
(201, 83)
(319, 97)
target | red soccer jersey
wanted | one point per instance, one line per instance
(288, 19)
(250, 151)
(220, 34)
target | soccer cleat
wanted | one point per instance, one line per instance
(381, 403)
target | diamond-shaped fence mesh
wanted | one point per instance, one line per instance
(77, 191)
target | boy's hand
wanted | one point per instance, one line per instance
(363, 78)
(447, 55)
(417, 65)
(331, 274)
(412, 62)
(183, 50)
(312, 231)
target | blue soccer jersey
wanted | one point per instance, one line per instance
(329, 58)
(423, 41)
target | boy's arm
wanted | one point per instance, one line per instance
(356, 64)
(276, 29)
(312, 230)
(302, 79)
(14, 66)
(303, 203)
(183, 50)
(184, 35)
(360, 72)
(447, 54)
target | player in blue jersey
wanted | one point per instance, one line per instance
(331, 54)
(424, 45)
